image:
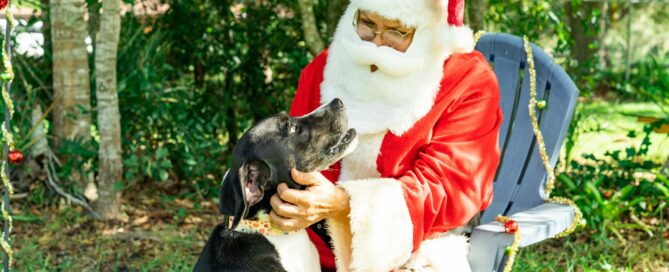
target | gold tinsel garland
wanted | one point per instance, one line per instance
(550, 182)
(7, 76)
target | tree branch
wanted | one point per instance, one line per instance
(309, 27)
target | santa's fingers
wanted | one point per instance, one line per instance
(285, 209)
(307, 179)
(293, 196)
(286, 224)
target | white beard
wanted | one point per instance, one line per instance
(395, 96)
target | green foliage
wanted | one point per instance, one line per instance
(618, 188)
(650, 79)
(188, 90)
(536, 19)
(165, 125)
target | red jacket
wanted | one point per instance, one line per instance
(444, 164)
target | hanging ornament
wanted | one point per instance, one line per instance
(15, 157)
(3, 3)
(510, 226)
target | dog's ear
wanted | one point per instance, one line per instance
(243, 188)
(229, 194)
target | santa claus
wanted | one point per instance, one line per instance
(426, 109)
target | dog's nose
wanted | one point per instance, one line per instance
(337, 104)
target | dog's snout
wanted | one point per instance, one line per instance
(337, 104)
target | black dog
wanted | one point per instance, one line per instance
(261, 160)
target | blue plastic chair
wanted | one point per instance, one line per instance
(521, 176)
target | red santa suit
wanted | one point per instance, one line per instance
(428, 124)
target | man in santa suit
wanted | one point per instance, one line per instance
(426, 110)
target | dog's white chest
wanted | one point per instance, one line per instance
(297, 252)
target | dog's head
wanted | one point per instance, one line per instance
(265, 154)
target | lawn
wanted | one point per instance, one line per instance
(604, 127)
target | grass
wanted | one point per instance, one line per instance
(606, 124)
(152, 238)
(580, 252)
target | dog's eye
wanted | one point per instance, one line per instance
(292, 128)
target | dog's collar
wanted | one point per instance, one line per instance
(261, 226)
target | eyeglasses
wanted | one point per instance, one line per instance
(367, 32)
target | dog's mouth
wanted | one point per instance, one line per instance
(253, 193)
(345, 145)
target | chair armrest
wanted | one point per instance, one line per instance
(487, 242)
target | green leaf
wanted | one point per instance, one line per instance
(161, 153)
(662, 189)
(567, 181)
(590, 187)
(166, 164)
(181, 213)
(162, 175)
(625, 191)
(132, 161)
(190, 162)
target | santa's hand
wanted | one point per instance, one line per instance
(294, 209)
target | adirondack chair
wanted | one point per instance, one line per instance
(521, 176)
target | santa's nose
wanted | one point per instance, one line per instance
(377, 40)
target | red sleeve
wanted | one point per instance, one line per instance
(452, 178)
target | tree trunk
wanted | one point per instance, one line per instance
(309, 27)
(582, 33)
(109, 153)
(70, 71)
(476, 14)
(335, 10)
(71, 78)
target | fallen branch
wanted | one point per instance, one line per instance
(19, 196)
(48, 167)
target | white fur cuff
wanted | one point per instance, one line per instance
(447, 253)
(380, 224)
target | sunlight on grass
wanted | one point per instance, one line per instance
(608, 124)
(581, 252)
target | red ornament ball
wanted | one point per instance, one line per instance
(510, 226)
(15, 156)
(3, 3)
(607, 194)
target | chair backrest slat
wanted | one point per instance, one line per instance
(507, 59)
(521, 175)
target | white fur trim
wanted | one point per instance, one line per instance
(443, 254)
(380, 224)
(410, 12)
(457, 39)
(361, 163)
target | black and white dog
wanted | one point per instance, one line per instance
(261, 160)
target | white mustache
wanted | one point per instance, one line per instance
(388, 60)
